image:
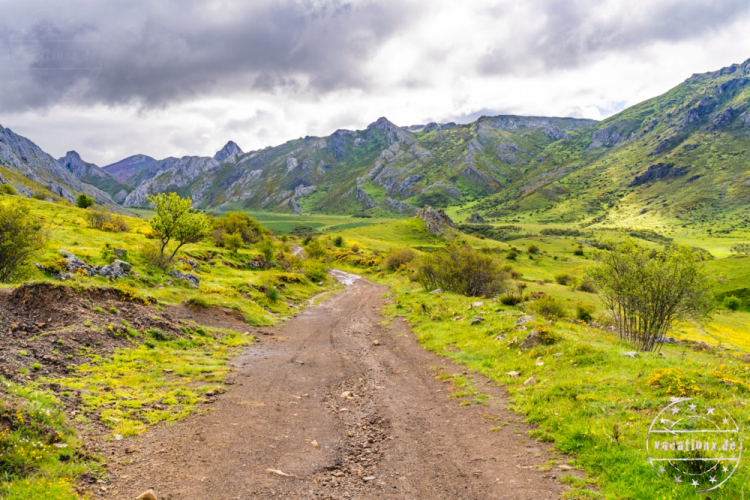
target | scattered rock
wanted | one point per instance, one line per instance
(459, 318)
(280, 473)
(523, 320)
(530, 381)
(477, 304)
(476, 320)
(565, 467)
(539, 362)
(120, 252)
(500, 337)
(368, 478)
(193, 280)
(513, 374)
(147, 495)
(346, 395)
(436, 291)
(118, 437)
(630, 354)
(557, 354)
(131, 449)
(375, 342)
(533, 339)
(60, 445)
(314, 443)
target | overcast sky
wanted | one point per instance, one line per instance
(166, 78)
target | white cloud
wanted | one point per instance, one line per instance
(439, 61)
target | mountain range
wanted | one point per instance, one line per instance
(678, 156)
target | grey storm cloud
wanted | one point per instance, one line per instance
(156, 53)
(569, 35)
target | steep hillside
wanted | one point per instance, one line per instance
(24, 158)
(680, 158)
(92, 174)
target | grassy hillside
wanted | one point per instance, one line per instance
(92, 360)
(593, 402)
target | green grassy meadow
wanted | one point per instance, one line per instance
(591, 401)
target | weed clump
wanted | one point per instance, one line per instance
(549, 307)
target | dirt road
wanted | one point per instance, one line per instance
(283, 429)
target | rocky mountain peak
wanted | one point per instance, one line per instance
(392, 131)
(229, 152)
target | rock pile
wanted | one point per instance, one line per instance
(435, 221)
(192, 279)
(118, 269)
(476, 219)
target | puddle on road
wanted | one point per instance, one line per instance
(343, 277)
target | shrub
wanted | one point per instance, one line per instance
(741, 248)
(732, 303)
(338, 241)
(564, 279)
(272, 293)
(511, 255)
(232, 242)
(648, 291)
(151, 254)
(267, 249)
(579, 251)
(315, 271)
(461, 269)
(355, 248)
(549, 307)
(39, 194)
(674, 381)
(36, 366)
(398, 258)
(7, 189)
(533, 249)
(21, 236)
(587, 286)
(84, 201)
(315, 249)
(248, 228)
(510, 299)
(584, 312)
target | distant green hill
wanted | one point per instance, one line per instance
(681, 157)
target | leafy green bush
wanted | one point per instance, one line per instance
(7, 189)
(233, 241)
(315, 271)
(84, 201)
(587, 286)
(248, 228)
(315, 249)
(21, 236)
(584, 312)
(398, 258)
(732, 303)
(564, 279)
(197, 302)
(549, 307)
(338, 241)
(461, 269)
(533, 249)
(512, 255)
(579, 252)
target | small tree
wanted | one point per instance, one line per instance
(741, 248)
(647, 291)
(21, 235)
(84, 201)
(175, 219)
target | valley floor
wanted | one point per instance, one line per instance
(336, 404)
